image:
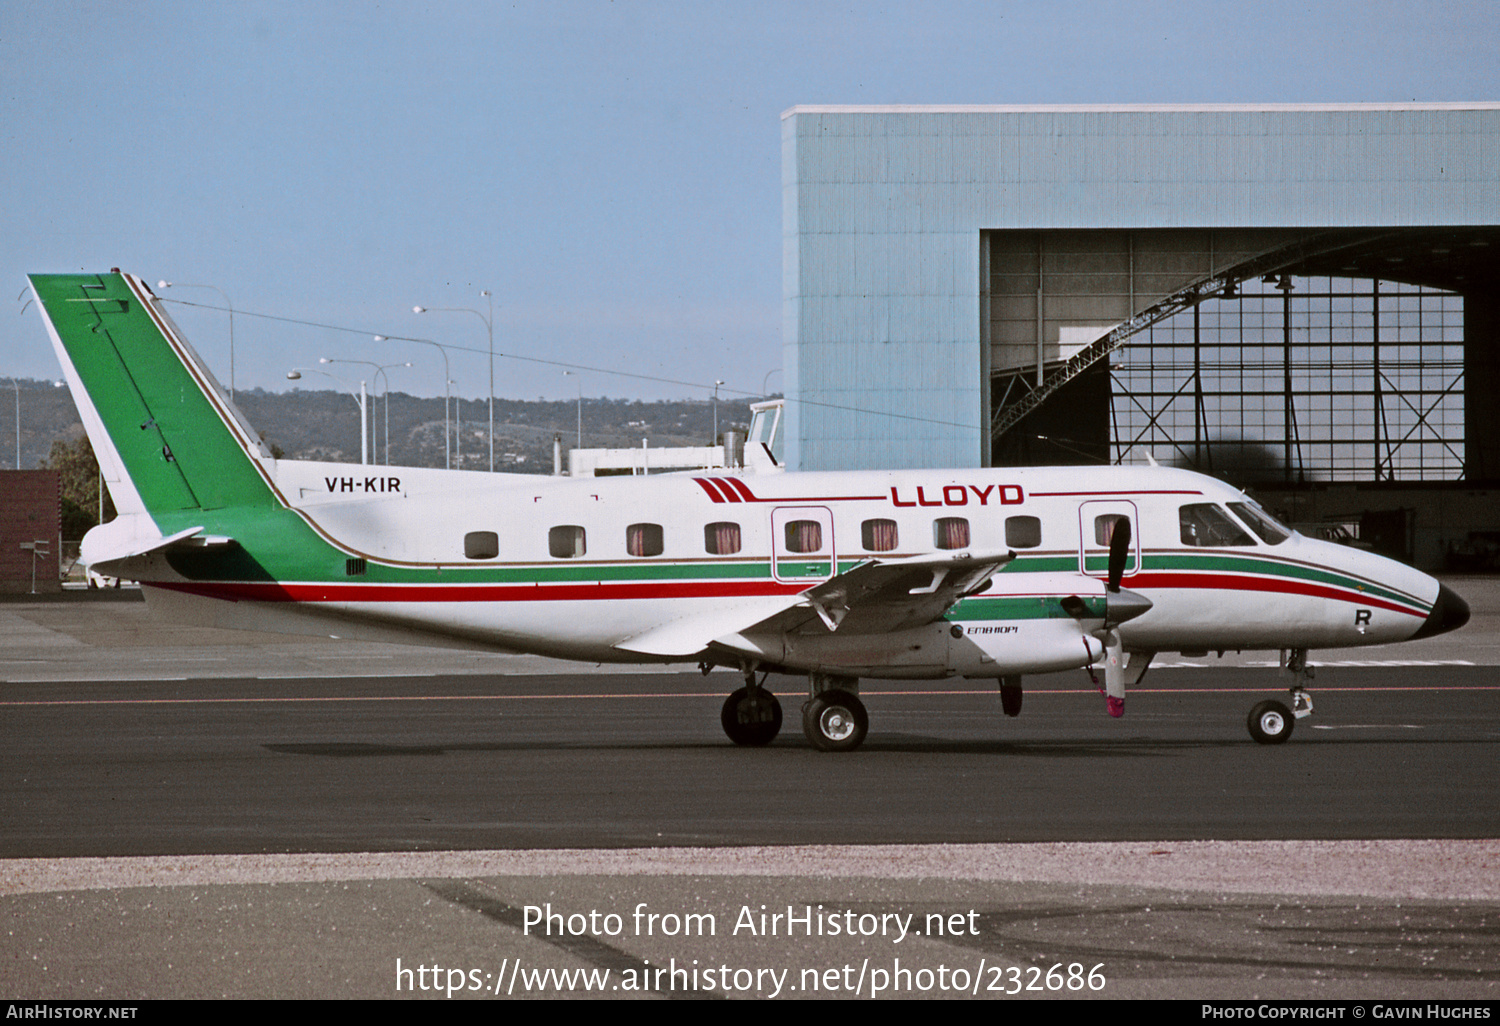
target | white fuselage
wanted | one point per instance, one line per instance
(669, 567)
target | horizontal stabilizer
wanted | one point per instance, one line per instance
(111, 551)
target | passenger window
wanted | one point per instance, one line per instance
(567, 542)
(1023, 532)
(1205, 525)
(1104, 527)
(950, 533)
(643, 539)
(481, 545)
(804, 536)
(878, 535)
(721, 538)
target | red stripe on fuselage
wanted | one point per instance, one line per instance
(739, 487)
(712, 489)
(732, 489)
(1279, 585)
(571, 592)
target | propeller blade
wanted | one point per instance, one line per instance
(1114, 674)
(1119, 552)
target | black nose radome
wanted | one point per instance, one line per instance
(1449, 613)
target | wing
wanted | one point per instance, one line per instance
(882, 595)
(874, 597)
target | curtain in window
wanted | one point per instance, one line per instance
(643, 539)
(879, 535)
(804, 536)
(951, 533)
(722, 538)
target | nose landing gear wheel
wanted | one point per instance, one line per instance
(1271, 723)
(835, 721)
(751, 717)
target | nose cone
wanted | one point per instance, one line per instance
(1449, 613)
(1125, 604)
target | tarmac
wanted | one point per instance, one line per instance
(1285, 920)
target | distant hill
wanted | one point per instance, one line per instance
(324, 425)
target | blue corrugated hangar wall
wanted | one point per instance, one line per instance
(888, 351)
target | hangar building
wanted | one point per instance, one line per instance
(1299, 297)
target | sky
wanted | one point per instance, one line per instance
(609, 172)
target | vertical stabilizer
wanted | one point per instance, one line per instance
(167, 438)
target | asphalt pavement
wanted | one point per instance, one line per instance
(203, 813)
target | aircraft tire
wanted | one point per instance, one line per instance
(1271, 723)
(835, 721)
(1010, 698)
(752, 721)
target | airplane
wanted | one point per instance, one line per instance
(988, 573)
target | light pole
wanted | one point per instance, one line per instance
(715, 439)
(489, 327)
(579, 383)
(364, 421)
(448, 387)
(385, 393)
(458, 428)
(188, 285)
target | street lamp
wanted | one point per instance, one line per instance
(489, 327)
(448, 393)
(579, 382)
(188, 285)
(364, 422)
(458, 428)
(715, 439)
(385, 393)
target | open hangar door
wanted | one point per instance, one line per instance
(1328, 371)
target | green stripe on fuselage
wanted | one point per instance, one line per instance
(1029, 607)
(1227, 562)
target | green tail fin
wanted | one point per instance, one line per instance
(167, 438)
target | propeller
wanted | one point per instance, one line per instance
(1119, 552)
(1120, 604)
(1114, 650)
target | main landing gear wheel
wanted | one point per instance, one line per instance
(835, 721)
(1011, 695)
(751, 717)
(1271, 723)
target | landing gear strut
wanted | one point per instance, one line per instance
(752, 715)
(834, 719)
(1271, 722)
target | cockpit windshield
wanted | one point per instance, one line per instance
(1202, 524)
(1262, 523)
